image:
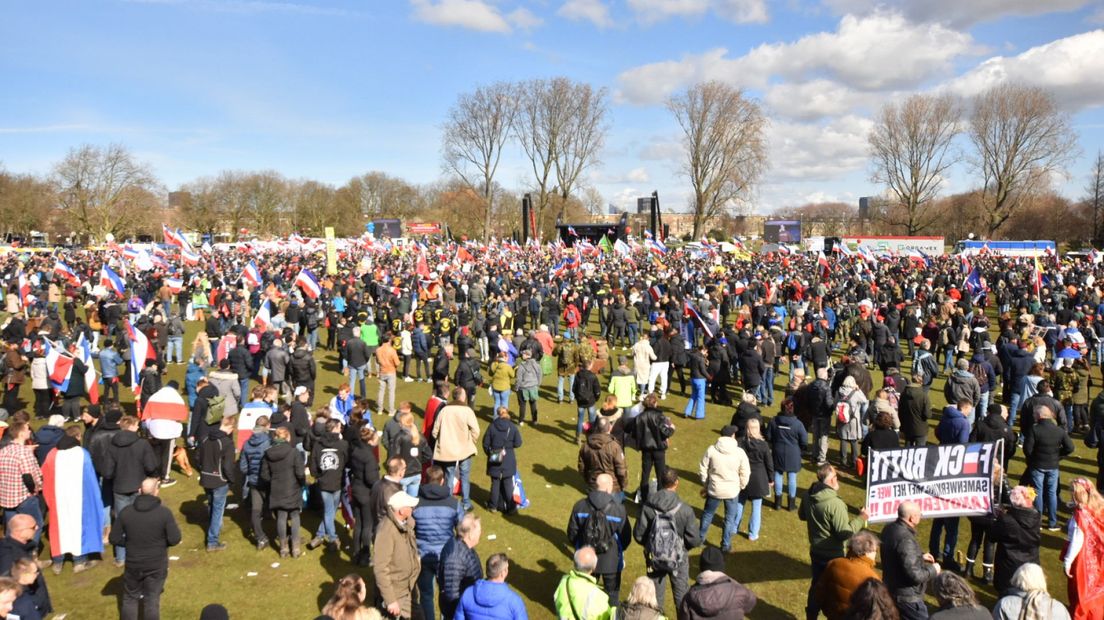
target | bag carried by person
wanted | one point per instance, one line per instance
(216, 409)
(597, 532)
(664, 545)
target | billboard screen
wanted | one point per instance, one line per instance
(782, 231)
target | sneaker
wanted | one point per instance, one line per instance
(218, 547)
(120, 564)
(56, 568)
(80, 567)
(1054, 528)
(167, 482)
(44, 564)
(407, 380)
(315, 542)
(262, 544)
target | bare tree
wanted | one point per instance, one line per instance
(1095, 195)
(1020, 138)
(474, 138)
(725, 146)
(583, 135)
(103, 188)
(201, 209)
(26, 203)
(312, 209)
(376, 194)
(538, 126)
(267, 201)
(911, 150)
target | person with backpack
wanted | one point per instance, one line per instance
(667, 530)
(600, 521)
(962, 385)
(986, 377)
(217, 472)
(849, 412)
(587, 390)
(925, 364)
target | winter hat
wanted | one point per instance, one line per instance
(711, 559)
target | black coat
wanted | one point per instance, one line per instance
(327, 461)
(587, 389)
(363, 472)
(130, 461)
(303, 368)
(994, 427)
(744, 413)
(415, 455)
(356, 353)
(647, 430)
(1016, 532)
(880, 439)
(914, 409)
(502, 433)
(788, 439)
(762, 468)
(216, 460)
(610, 561)
(282, 474)
(903, 568)
(241, 362)
(146, 529)
(1045, 446)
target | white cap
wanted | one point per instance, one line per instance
(402, 499)
(302, 389)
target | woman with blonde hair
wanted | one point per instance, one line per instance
(642, 603)
(1028, 599)
(1084, 556)
(201, 349)
(411, 445)
(347, 602)
(761, 480)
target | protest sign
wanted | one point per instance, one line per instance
(945, 481)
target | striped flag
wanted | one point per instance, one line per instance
(251, 275)
(59, 365)
(140, 351)
(175, 285)
(263, 318)
(111, 280)
(308, 284)
(66, 272)
(90, 383)
(72, 492)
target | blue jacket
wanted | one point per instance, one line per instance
(191, 377)
(251, 456)
(492, 601)
(418, 342)
(457, 569)
(435, 518)
(110, 360)
(953, 427)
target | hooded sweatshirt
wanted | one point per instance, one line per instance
(491, 599)
(716, 595)
(147, 529)
(724, 469)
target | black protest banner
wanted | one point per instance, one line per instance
(945, 481)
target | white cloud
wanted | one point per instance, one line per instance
(524, 19)
(959, 13)
(469, 14)
(1071, 68)
(637, 175)
(663, 149)
(593, 11)
(812, 100)
(876, 52)
(817, 152)
(737, 11)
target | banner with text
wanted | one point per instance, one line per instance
(946, 481)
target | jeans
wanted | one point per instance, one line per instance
(312, 339)
(983, 407)
(501, 399)
(145, 586)
(659, 371)
(649, 459)
(766, 388)
(356, 377)
(244, 391)
(256, 510)
(849, 451)
(696, 404)
(287, 520)
(330, 502)
(461, 469)
(731, 522)
(570, 380)
(822, 428)
(31, 507)
(1013, 408)
(680, 582)
(426, 579)
(949, 526)
(175, 349)
(791, 483)
(216, 500)
(816, 567)
(587, 413)
(1046, 482)
(756, 516)
(634, 331)
(122, 500)
(386, 389)
(411, 484)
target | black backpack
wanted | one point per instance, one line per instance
(597, 532)
(665, 546)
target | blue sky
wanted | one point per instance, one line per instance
(330, 89)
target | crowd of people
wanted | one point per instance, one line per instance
(1013, 341)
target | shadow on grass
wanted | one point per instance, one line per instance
(762, 565)
(562, 477)
(536, 583)
(114, 588)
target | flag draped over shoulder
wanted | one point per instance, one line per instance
(72, 492)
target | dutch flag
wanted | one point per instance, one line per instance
(252, 275)
(263, 319)
(66, 272)
(59, 365)
(308, 284)
(971, 462)
(175, 285)
(111, 280)
(140, 351)
(657, 291)
(90, 382)
(189, 256)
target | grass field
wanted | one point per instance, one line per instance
(260, 585)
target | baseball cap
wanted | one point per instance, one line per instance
(302, 389)
(402, 499)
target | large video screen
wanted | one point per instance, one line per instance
(782, 231)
